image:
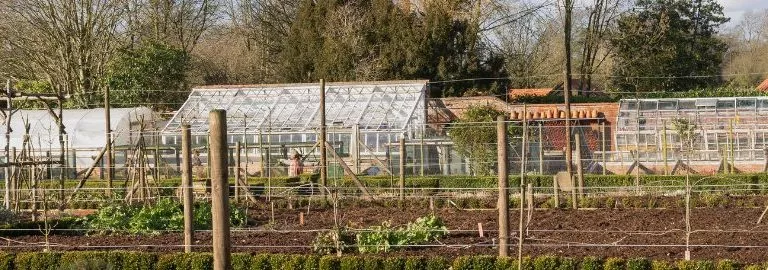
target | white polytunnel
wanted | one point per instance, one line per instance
(85, 129)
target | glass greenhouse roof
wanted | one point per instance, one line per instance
(294, 108)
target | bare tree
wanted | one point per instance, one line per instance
(64, 42)
(180, 23)
(601, 17)
(747, 50)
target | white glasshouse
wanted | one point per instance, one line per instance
(288, 114)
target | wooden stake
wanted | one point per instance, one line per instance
(108, 140)
(480, 231)
(323, 149)
(186, 185)
(541, 150)
(664, 146)
(503, 203)
(522, 186)
(301, 218)
(401, 183)
(431, 204)
(219, 189)
(579, 166)
(237, 172)
(556, 192)
(272, 212)
(602, 138)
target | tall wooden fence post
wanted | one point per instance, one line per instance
(186, 185)
(523, 154)
(503, 203)
(401, 183)
(237, 171)
(219, 189)
(323, 150)
(579, 166)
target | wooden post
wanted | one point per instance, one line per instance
(186, 185)
(664, 146)
(602, 138)
(567, 95)
(522, 184)
(14, 180)
(108, 137)
(401, 183)
(579, 166)
(556, 191)
(480, 231)
(219, 189)
(7, 169)
(503, 203)
(323, 150)
(237, 172)
(541, 150)
(732, 147)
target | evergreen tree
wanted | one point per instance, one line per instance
(669, 45)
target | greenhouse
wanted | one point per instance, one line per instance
(732, 128)
(378, 113)
(84, 130)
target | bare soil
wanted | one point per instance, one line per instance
(717, 233)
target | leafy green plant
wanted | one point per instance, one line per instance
(7, 216)
(164, 215)
(385, 238)
(330, 242)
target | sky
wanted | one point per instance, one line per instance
(736, 8)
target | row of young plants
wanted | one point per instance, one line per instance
(243, 261)
(163, 215)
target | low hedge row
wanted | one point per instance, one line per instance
(458, 181)
(590, 180)
(200, 261)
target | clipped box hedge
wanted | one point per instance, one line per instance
(118, 260)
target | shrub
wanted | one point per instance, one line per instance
(638, 264)
(241, 261)
(661, 265)
(260, 261)
(371, 263)
(328, 262)
(350, 263)
(545, 263)
(37, 261)
(613, 264)
(414, 263)
(462, 263)
(394, 263)
(483, 262)
(590, 263)
(6, 260)
(727, 265)
(435, 263)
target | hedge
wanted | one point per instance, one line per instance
(117, 260)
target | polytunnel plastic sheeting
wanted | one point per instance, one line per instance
(85, 128)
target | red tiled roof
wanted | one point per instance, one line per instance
(763, 86)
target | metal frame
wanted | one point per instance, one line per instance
(716, 119)
(375, 107)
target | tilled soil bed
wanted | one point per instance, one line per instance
(717, 233)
